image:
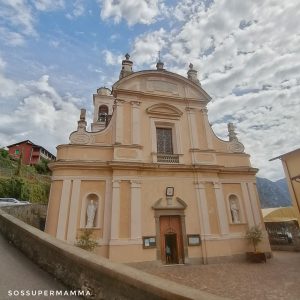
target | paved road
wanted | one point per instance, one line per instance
(278, 279)
(18, 273)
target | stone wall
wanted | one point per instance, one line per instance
(79, 269)
(32, 214)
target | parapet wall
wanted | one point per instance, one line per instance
(83, 270)
(33, 214)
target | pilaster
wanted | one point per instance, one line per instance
(202, 209)
(119, 121)
(223, 220)
(135, 105)
(73, 216)
(107, 202)
(136, 222)
(248, 206)
(203, 217)
(193, 127)
(254, 204)
(115, 210)
(207, 129)
(63, 210)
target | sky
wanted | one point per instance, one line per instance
(54, 54)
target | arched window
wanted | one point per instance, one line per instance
(234, 209)
(102, 113)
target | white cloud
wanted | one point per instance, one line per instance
(132, 11)
(11, 38)
(54, 43)
(40, 112)
(247, 54)
(49, 5)
(112, 59)
(146, 47)
(145, 50)
(78, 10)
(18, 14)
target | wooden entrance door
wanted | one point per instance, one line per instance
(171, 240)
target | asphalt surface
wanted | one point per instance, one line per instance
(20, 278)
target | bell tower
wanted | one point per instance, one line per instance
(103, 107)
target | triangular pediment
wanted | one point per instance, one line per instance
(163, 109)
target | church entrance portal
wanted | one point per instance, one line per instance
(171, 240)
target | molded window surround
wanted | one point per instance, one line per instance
(176, 138)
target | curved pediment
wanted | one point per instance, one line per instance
(160, 83)
(164, 110)
(179, 204)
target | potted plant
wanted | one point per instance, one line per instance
(254, 236)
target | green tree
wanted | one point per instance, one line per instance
(42, 167)
(3, 153)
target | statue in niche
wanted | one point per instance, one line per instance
(91, 212)
(235, 215)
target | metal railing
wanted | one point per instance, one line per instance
(168, 158)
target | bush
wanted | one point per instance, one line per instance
(3, 153)
(85, 241)
(254, 235)
(23, 189)
(39, 192)
(42, 167)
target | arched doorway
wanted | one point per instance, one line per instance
(171, 239)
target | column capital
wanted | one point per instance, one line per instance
(135, 104)
(135, 183)
(217, 185)
(190, 110)
(119, 102)
(199, 185)
(204, 110)
(116, 183)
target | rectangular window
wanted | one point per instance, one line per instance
(17, 151)
(164, 140)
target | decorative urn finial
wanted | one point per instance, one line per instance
(126, 67)
(82, 122)
(192, 74)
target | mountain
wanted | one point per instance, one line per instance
(273, 194)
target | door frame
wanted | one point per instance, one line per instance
(177, 210)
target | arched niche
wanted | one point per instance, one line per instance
(90, 211)
(235, 209)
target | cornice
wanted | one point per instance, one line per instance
(125, 165)
(170, 98)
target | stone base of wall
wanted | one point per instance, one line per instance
(32, 214)
(86, 271)
(291, 248)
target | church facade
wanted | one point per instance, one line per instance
(151, 180)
